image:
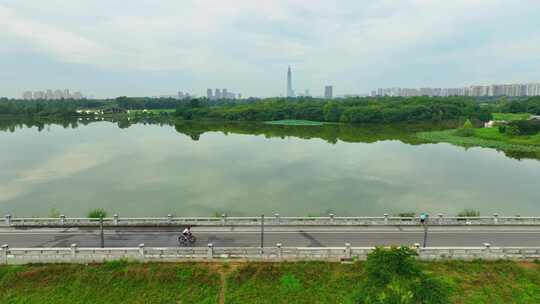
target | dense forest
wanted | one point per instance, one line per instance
(352, 110)
(349, 110)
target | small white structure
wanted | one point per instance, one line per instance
(489, 124)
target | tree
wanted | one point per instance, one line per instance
(395, 277)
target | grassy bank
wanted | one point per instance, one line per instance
(469, 282)
(511, 116)
(487, 138)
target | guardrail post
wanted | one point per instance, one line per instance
(169, 218)
(223, 219)
(487, 247)
(8, 219)
(386, 218)
(348, 250)
(115, 219)
(62, 220)
(141, 251)
(210, 253)
(279, 251)
(278, 220)
(73, 251)
(440, 219)
(5, 249)
(495, 218)
(331, 218)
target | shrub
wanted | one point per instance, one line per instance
(54, 213)
(395, 277)
(406, 214)
(468, 213)
(97, 213)
(525, 127)
(466, 131)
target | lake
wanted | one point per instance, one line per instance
(203, 169)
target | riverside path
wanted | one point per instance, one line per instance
(299, 236)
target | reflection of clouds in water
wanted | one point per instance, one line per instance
(74, 160)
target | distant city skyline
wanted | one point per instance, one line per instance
(511, 90)
(145, 49)
(50, 94)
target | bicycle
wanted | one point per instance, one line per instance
(185, 241)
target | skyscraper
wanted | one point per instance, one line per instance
(209, 94)
(290, 91)
(218, 94)
(328, 92)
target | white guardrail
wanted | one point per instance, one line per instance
(275, 220)
(278, 253)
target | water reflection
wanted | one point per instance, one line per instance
(331, 133)
(156, 166)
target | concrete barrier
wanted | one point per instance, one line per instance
(74, 254)
(331, 220)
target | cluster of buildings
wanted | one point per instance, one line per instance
(52, 95)
(328, 90)
(511, 90)
(219, 94)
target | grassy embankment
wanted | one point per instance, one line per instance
(511, 116)
(470, 282)
(487, 138)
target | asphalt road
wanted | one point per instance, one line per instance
(289, 237)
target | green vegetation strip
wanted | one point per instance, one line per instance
(511, 116)
(486, 138)
(315, 282)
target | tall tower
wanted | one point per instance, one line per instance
(290, 92)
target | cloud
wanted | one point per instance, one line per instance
(247, 44)
(69, 46)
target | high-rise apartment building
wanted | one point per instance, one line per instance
(290, 91)
(218, 94)
(328, 92)
(209, 94)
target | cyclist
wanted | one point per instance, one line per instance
(423, 217)
(187, 233)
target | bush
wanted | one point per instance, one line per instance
(468, 213)
(526, 127)
(97, 213)
(466, 131)
(395, 276)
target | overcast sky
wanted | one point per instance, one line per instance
(152, 47)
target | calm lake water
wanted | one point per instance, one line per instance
(251, 169)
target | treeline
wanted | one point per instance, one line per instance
(530, 105)
(46, 108)
(352, 110)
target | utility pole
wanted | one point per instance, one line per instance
(425, 233)
(101, 232)
(262, 232)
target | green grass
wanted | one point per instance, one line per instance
(511, 116)
(115, 282)
(273, 283)
(292, 122)
(487, 138)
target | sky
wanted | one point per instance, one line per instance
(110, 48)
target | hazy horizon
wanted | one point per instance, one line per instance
(108, 49)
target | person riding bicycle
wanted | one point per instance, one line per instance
(187, 232)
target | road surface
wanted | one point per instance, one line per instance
(287, 236)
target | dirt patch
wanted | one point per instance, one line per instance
(528, 265)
